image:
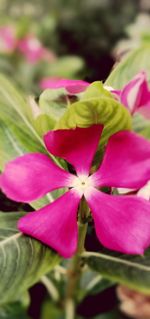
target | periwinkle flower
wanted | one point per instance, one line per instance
(122, 223)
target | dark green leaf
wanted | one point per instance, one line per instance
(132, 271)
(22, 260)
(13, 311)
(93, 283)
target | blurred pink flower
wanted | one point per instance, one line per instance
(7, 39)
(135, 95)
(33, 50)
(122, 223)
(72, 86)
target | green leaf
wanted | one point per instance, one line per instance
(53, 102)
(52, 105)
(92, 283)
(22, 260)
(95, 90)
(66, 67)
(17, 132)
(15, 142)
(13, 311)
(93, 110)
(132, 271)
(43, 123)
(51, 310)
(136, 61)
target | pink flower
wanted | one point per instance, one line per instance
(122, 223)
(33, 50)
(135, 95)
(72, 86)
(7, 39)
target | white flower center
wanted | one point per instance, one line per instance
(82, 183)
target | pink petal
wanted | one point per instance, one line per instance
(31, 48)
(126, 162)
(8, 39)
(77, 146)
(72, 86)
(55, 224)
(145, 110)
(31, 176)
(134, 94)
(116, 93)
(122, 222)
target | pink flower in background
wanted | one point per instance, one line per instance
(72, 86)
(122, 223)
(33, 49)
(7, 39)
(135, 95)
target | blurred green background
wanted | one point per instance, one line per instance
(82, 34)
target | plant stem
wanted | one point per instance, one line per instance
(69, 309)
(74, 271)
(53, 292)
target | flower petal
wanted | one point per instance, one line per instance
(126, 162)
(145, 110)
(8, 40)
(72, 86)
(77, 146)
(55, 224)
(31, 176)
(122, 222)
(135, 93)
(31, 48)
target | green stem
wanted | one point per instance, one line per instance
(51, 289)
(75, 269)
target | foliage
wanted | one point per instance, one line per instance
(13, 311)
(136, 61)
(26, 115)
(132, 271)
(96, 106)
(23, 260)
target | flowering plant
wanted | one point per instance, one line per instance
(67, 155)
